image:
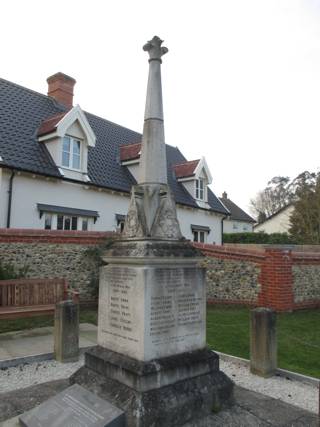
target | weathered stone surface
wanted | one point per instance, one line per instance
(66, 332)
(263, 342)
(74, 406)
(306, 283)
(147, 403)
(145, 376)
(152, 213)
(152, 310)
(153, 164)
(248, 409)
(232, 280)
(18, 401)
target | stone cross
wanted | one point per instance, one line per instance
(153, 163)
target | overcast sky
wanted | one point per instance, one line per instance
(241, 81)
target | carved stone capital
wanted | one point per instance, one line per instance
(153, 47)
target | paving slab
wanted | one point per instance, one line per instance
(39, 341)
(250, 409)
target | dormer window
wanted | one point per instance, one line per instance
(67, 137)
(200, 189)
(71, 153)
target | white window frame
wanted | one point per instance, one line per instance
(200, 236)
(200, 189)
(48, 217)
(68, 217)
(71, 153)
(85, 220)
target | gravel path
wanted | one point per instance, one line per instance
(26, 375)
(293, 392)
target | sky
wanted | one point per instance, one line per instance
(241, 81)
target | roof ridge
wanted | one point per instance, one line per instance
(130, 144)
(112, 123)
(184, 163)
(57, 104)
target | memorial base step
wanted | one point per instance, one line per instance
(165, 392)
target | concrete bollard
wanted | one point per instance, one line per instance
(66, 332)
(263, 342)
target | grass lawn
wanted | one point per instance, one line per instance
(228, 332)
(86, 316)
(298, 336)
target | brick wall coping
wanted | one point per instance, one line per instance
(231, 253)
(24, 281)
(306, 257)
(29, 235)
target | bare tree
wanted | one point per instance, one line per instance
(275, 196)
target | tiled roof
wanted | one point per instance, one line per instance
(237, 213)
(186, 169)
(130, 152)
(23, 112)
(49, 125)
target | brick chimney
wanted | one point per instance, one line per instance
(224, 195)
(60, 87)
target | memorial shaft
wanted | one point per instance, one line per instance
(153, 165)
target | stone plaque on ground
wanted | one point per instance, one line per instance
(74, 407)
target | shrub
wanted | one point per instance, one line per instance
(8, 271)
(259, 238)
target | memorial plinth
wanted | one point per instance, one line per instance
(152, 306)
(151, 360)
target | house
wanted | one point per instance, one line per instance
(238, 221)
(63, 168)
(279, 222)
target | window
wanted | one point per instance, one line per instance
(120, 220)
(71, 153)
(67, 222)
(120, 225)
(235, 226)
(199, 236)
(200, 188)
(48, 222)
(84, 224)
(200, 233)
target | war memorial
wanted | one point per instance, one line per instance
(151, 366)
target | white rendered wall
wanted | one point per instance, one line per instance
(4, 186)
(187, 217)
(231, 226)
(279, 223)
(28, 191)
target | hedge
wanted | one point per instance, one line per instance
(259, 238)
